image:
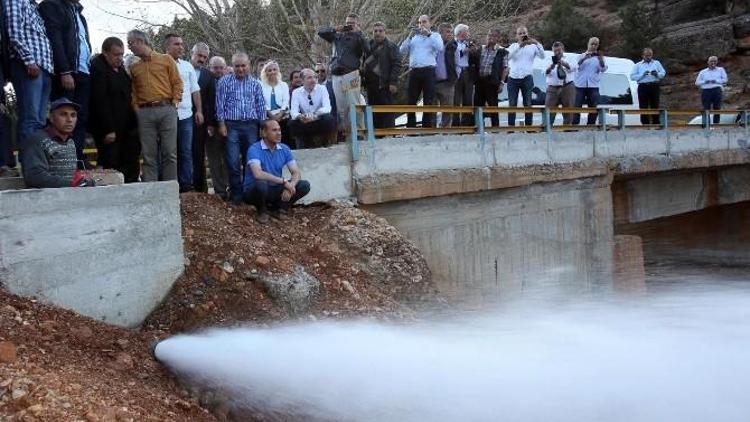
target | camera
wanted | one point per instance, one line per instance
(525, 38)
(347, 27)
(555, 59)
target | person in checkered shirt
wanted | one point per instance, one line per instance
(31, 65)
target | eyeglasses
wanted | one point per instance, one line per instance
(309, 98)
(320, 71)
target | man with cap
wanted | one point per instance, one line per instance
(50, 154)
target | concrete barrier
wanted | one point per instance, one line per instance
(110, 252)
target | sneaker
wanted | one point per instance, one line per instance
(262, 217)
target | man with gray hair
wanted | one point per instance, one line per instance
(157, 89)
(240, 107)
(216, 144)
(560, 88)
(711, 81)
(198, 59)
(465, 62)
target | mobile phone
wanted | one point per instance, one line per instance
(347, 27)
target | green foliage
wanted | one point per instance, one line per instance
(638, 29)
(565, 23)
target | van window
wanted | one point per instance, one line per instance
(613, 89)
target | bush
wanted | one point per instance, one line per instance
(638, 29)
(565, 23)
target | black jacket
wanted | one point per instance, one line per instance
(62, 30)
(110, 101)
(383, 65)
(349, 48)
(207, 83)
(449, 50)
(498, 65)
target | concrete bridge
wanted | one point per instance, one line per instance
(499, 214)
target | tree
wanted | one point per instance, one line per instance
(565, 23)
(286, 29)
(638, 29)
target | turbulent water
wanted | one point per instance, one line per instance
(677, 355)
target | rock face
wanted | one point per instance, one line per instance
(696, 41)
(296, 291)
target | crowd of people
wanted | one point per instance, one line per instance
(156, 116)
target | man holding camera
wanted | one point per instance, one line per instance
(648, 73)
(465, 58)
(349, 47)
(590, 67)
(560, 89)
(381, 70)
(521, 56)
(490, 73)
(711, 81)
(422, 46)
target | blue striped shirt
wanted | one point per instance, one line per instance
(26, 33)
(239, 99)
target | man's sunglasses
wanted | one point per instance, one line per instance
(309, 98)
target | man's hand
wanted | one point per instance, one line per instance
(68, 83)
(32, 70)
(286, 195)
(110, 138)
(549, 69)
(289, 187)
(210, 130)
(222, 129)
(198, 117)
(393, 89)
(424, 31)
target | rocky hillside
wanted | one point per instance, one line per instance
(323, 262)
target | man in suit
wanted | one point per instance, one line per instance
(113, 123)
(207, 83)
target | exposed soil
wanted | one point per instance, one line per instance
(58, 365)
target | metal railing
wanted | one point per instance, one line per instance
(668, 119)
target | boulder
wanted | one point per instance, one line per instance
(295, 292)
(696, 41)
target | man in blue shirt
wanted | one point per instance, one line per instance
(648, 73)
(422, 46)
(240, 106)
(265, 186)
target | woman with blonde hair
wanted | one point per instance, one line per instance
(275, 91)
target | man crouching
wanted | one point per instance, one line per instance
(264, 186)
(49, 156)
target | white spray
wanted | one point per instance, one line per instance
(669, 358)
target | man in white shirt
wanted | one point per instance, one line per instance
(521, 56)
(560, 88)
(711, 81)
(310, 112)
(191, 95)
(648, 73)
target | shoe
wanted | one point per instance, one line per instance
(6, 171)
(237, 201)
(262, 218)
(279, 215)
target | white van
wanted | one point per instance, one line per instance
(616, 91)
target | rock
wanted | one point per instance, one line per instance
(35, 410)
(741, 26)
(696, 41)
(262, 261)
(18, 394)
(122, 343)
(227, 267)
(82, 333)
(295, 292)
(218, 274)
(8, 352)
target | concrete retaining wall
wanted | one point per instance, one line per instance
(555, 237)
(110, 252)
(328, 170)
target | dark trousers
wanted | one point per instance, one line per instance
(711, 100)
(122, 155)
(304, 133)
(265, 196)
(79, 95)
(463, 95)
(485, 94)
(525, 86)
(200, 134)
(591, 97)
(240, 135)
(648, 97)
(421, 81)
(381, 96)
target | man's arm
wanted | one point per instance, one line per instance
(221, 88)
(36, 168)
(635, 73)
(260, 100)
(326, 102)
(723, 79)
(14, 18)
(55, 22)
(395, 58)
(195, 94)
(513, 50)
(660, 72)
(294, 108)
(539, 50)
(328, 33)
(175, 81)
(404, 47)
(437, 42)
(261, 175)
(294, 170)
